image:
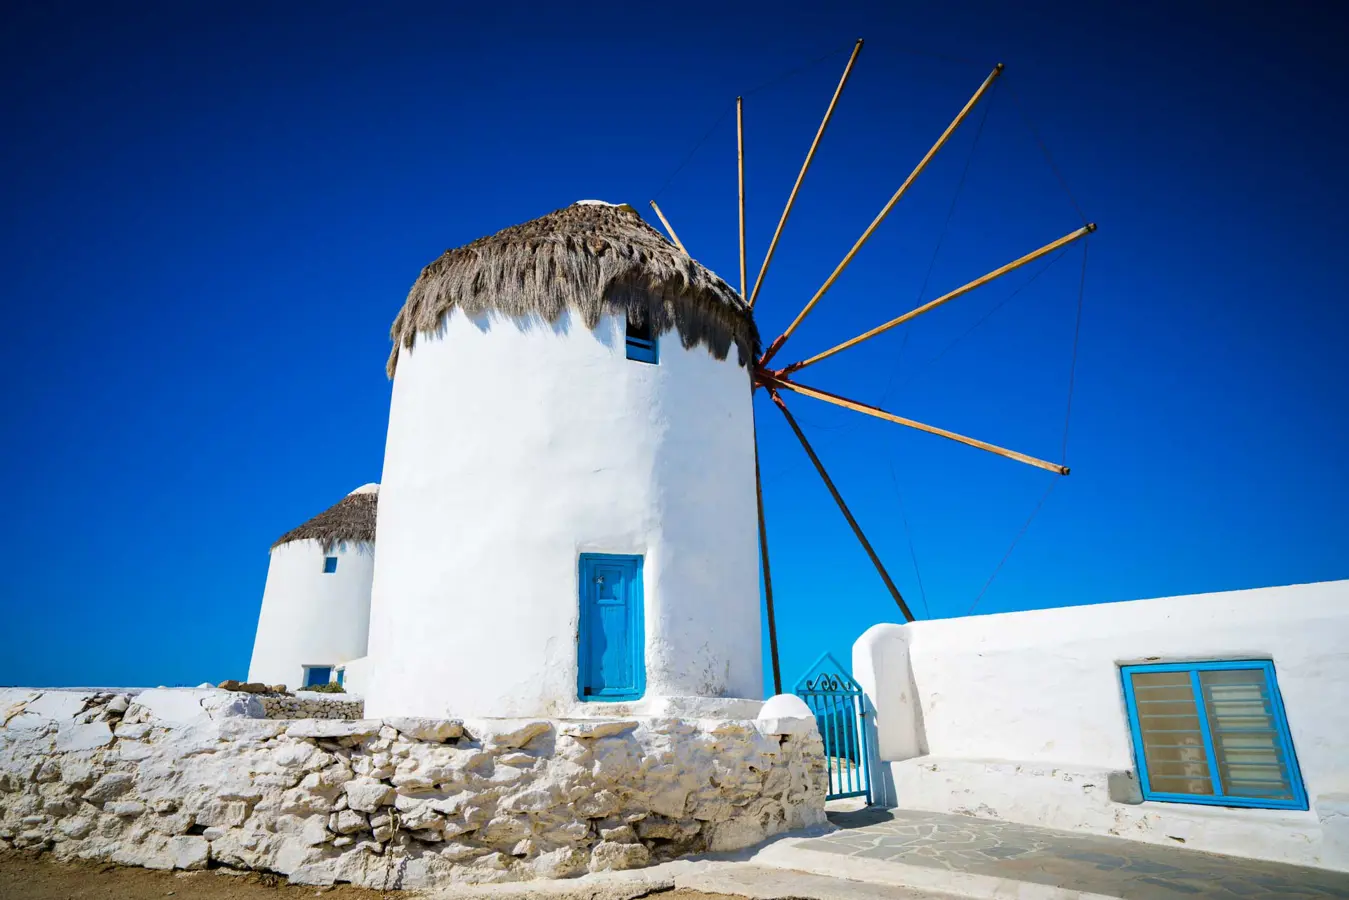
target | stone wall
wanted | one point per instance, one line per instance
(187, 779)
(312, 705)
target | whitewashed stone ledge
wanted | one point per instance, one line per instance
(397, 803)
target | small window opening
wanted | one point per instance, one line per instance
(641, 341)
(317, 675)
(329, 565)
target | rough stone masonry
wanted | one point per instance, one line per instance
(190, 778)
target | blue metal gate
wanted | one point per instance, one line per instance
(840, 712)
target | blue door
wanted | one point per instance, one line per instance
(611, 652)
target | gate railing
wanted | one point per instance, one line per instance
(839, 706)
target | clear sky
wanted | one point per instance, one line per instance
(212, 212)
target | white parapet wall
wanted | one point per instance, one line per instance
(187, 779)
(1022, 716)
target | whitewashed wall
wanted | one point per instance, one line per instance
(310, 617)
(515, 446)
(1021, 716)
(357, 676)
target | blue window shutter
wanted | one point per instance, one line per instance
(611, 639)
(329, 565)
(1212, 733)
(315, 675)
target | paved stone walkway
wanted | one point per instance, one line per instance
(1112, 867)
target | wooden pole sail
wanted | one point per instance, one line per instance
(740, 160)
(767, 573)
(666, 222)
(933, 304)
(922, 164)
(773, 382)
(810, 155)
(843, 507)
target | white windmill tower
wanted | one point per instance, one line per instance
(316, 604)
(567, 519)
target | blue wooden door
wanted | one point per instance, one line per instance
(611, 651)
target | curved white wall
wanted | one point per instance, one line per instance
(515, 446)
(310, 617)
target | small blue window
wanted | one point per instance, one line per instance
(316, 675)
(1212, 733)
(611, 640)
(329, 565)
(642, 342)
(341, 677)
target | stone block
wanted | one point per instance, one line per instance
(435, 730)
(608, 856)
(110, 786)
(187, 852)
(89, 736)
(325, 728)
(509, 736)
(367, 794)
(348, 821)
(126, 809)
(601, 729)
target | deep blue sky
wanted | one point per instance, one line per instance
(212, 212)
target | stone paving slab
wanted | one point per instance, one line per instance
(986, 857)
(768, 883)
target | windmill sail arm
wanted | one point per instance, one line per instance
(866, 235)
(666, 222)
(944, 298)
(767, 571)
(805, 167)
(843, 507)
(773, 382)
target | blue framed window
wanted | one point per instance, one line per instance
(341, 677)
(329, 565)
(1212, 733)
(316, 675)
(611, 639)
(641, 340)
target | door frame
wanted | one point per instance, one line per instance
(636, 625)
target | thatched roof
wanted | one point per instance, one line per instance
(351, 519)
(592, 257)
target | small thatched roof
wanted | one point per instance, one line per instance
(351, 519)
(592, 257)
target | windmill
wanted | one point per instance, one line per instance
(783, 378)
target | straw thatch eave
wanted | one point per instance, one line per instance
(595, 259)
(350, 520)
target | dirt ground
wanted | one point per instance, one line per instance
(25, 877)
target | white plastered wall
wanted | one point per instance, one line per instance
(1021, 716)
(357, 676)
(513, 447)
(310, 617)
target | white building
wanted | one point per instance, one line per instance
(316, 605)
(1216, 722)
(567, 515)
